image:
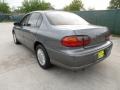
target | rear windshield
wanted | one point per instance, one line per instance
(65, 18)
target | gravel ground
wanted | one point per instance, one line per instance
(19, 69)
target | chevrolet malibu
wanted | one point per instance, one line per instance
(62, 38)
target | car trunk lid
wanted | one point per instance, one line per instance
(96, 33)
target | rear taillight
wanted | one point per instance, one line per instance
(75, 41)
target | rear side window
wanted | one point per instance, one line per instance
(39, 20)
(34, 19)
(25, 19)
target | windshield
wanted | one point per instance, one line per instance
(65, 18)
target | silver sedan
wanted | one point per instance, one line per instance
(62, 38)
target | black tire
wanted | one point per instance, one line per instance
(15, 39)
(47, 63)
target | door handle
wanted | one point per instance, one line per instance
(28, 25)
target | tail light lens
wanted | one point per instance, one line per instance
(75, 41)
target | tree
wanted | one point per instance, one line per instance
(33, 5)
(4, 8)
(16, 10)
(75, 5)
(114, 4)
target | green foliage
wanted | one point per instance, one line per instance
(4, 8)
(114, 4)
(76, 5)
(33, 5)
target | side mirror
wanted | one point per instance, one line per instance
(17, 24)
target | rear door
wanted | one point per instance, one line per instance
(31, 28)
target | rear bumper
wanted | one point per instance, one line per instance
(76, 59)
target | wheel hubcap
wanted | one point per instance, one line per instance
(41, 56)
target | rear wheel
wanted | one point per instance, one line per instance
(42, 57)
(15, 39)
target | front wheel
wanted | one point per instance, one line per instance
(15, 39)
(42, 57)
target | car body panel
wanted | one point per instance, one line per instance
(19, 33)
(29, 36)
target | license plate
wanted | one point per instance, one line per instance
(101, 54)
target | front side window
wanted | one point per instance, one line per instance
(64, 18)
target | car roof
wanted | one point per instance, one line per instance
(47, 11)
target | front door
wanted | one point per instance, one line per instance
(19, 31)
